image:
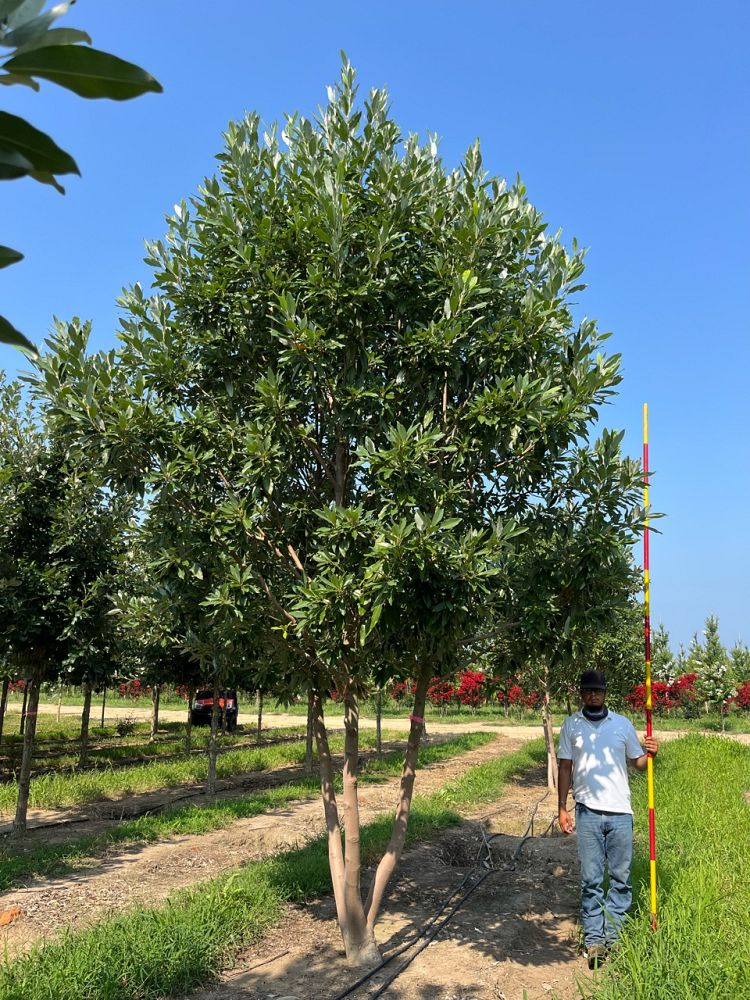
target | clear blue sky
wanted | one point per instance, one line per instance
(627, 122)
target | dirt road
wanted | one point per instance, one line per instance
(284, 720)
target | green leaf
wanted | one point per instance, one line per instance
(12, 79)
(87, 72)
(9, 335)
(9, 256)
(34, 28)
(57, 36)
(37, 148)
(18, 11)
(13, 165)
(44, 177)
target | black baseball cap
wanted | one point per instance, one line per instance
(593, 680)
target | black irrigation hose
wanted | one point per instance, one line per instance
(432, 929)
(406, 945)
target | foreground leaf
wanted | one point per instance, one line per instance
(12, 79)
(36, 147)
(9, 256)
(57, 36)
(32, 30)
(9, 335)
(87, 72)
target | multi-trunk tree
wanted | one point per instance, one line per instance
(358, 378)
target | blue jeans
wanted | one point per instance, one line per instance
(604, 840)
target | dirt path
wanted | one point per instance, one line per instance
(146, 874)
(514, 938)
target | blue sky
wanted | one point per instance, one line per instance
(628, 123)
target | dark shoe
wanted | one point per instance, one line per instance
(596, 954)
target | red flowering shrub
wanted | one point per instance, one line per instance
(440, 693)
(742, 698)
(661, 698)
(471, 689)
(133, 689)
(531, 700)
(14, 686)
(515, 695)
(685, 695)
(401, 690)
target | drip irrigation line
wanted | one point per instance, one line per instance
(432, 929)
(407, 944)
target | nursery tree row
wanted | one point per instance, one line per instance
(354, 422)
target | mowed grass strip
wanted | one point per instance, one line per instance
(55, 791)
(701, 947)
(203, 817)
(137, 753)
(153, 954)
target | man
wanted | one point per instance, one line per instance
(595, 745)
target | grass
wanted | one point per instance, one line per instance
(113, 700)
(108, 749)
(701, 948)
(200, 818)
(50, 791)
(152, 954)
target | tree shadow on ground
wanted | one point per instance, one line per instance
(515, 932)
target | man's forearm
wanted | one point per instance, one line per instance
(564, 777)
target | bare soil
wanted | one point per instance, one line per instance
(515, 937)
(147, 874)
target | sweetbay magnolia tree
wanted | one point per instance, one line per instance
(358, 380)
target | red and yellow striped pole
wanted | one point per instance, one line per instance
(649, 702)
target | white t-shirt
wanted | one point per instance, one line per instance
(600, 752)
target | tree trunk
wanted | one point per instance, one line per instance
(189, 720)
(59, 704)
(406, 791)
(379, 723)
(83, 755)
(31, 705)
(22, 724)
(548, 733)
(155, 697)
(260, 716)
(359, 939)
(310, 732)
(3, 704)
(212, 746)
(104, 703)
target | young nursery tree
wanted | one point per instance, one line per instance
(715, 683)
(357, 378)
(569, 587)
(662, 658)
(59, 540)
(740, 662)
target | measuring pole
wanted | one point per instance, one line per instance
(649, 702)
